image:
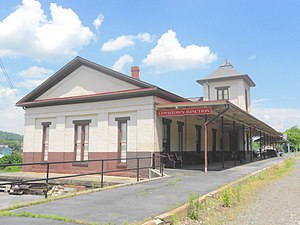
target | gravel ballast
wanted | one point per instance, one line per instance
(278, 203)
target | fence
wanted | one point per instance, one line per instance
(156, 157)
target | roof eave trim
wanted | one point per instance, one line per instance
(87, 99)
(243, 76)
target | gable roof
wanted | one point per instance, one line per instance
(30, 99)
(226, 71)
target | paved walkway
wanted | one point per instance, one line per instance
(144, 200)
(7, 200)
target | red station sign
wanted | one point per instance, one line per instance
(185, 112)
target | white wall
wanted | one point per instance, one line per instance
(236, 89)
(85, 81)
(103, 127)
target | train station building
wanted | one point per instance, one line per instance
(86, 111)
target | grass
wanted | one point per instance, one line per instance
(11, 169)
(44, 216)
(226, 205)
(54, 217)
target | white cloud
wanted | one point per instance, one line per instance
(144, 37)
(121, 62)
(279, 118)
(98, 21)
(169, 55)
(35, 72)
(29, 83)
(12, 117)
(34, 76)
(125, 41)
(251, 57)
(117, 44)
(28, 32)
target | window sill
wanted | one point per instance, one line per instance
(80, 164)
(122, 165)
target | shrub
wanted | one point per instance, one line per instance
(13, 158)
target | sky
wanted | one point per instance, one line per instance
(175, 43)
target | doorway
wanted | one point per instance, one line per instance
(166, 141)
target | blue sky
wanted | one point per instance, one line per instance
(174, 42)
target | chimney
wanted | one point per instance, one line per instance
(135, 72)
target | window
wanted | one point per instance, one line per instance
(122, 138)
(45, 141)
(180, 136)
(81, 145)
(198, 139)
(223, 93)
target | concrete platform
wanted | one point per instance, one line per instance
(93, 179)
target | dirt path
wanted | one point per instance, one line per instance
(278, 203)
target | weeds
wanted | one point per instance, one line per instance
(227, 204)
(227, 197)
(239, 192)
(174, 219)
(194, 206)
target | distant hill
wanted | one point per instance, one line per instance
(14, 141)
(11, 136)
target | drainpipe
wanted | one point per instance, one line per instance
(207, 122)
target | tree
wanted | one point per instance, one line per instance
(293, 134)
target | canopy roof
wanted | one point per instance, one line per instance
(234, 113)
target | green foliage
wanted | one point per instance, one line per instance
(174, 219)
(13, 158)
(227, 197)
(255, 145)
(11, 169)
(293, 136)
(194, 206)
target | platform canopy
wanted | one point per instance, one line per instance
(228, 110)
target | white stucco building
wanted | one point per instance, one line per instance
(86, 111)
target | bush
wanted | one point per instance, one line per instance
(13, 158)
